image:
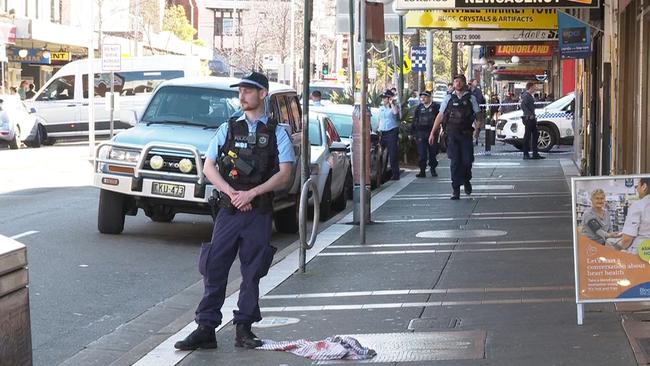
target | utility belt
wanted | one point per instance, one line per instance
(529, 118)
(462, 131)
(222, 201)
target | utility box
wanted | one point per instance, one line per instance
(15, 325)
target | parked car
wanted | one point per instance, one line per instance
(554, 121)
(326, 89)
(330, 164)
(21, 126)
(341, 117)
(62, 102)
(174, 132)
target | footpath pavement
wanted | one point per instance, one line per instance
(487, 280)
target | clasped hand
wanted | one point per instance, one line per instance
(241, 199)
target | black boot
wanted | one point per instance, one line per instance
(433, 172)
(468, 188)
(202, 337)
(455, 195)
(244, 337)
(422, 174)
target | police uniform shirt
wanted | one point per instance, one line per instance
(387, 119)
(637, 223)
(445, 101)
(424, 109)
(285, 147)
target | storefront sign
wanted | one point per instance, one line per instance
(574, 37)
(493, 4)
(611, 243)
(477, 19)
(523, 50)
(503, 35)
(34, 56)
(60, 56)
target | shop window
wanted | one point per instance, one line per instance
(60, 89)
(55, 11)
(225, 24)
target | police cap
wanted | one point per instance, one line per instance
(387, 94)
(255, 80)
(425, 93)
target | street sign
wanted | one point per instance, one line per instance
(480, 19)
(406, 65)
(492, 4)
(507, 36)
(111, 57)
(419, 58)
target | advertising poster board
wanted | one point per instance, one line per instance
(574, 37)
(611, 230)
(483, 19)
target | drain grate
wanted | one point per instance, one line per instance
(420, 324)
(418, 347)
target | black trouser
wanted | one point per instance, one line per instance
(460, 151)
(426, 152)
(530, 133)
(390, 141)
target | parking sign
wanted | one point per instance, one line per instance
(111, 57)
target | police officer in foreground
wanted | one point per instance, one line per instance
(424, 115)
(531, 134)
(458, 111)
(254, 158)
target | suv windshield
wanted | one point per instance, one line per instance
(560, 103)
(192, 106)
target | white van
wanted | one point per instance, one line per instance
(62, 102)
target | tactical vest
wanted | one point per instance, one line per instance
(425, 117)
(459, 114)
(259, 152)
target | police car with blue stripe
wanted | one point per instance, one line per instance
(554, 122)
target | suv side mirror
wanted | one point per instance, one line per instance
(128, 115)
(338, 146)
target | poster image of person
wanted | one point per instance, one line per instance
(612, 238)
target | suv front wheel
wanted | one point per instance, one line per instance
(110, 216)
(547, 138)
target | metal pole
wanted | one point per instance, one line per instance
(429, 78)
(292, 80)
(400, 89)
(112, 101)
(351, 43)
(454, 60)
(470, 64)
(363, 179)
(91, 81)
(304, 149)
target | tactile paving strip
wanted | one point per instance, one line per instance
(429, 346)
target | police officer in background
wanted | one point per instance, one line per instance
(531, 134)
(254, 158)
(457, 114)
(424, 115)
(389, 128)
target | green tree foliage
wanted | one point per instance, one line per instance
(176, 22)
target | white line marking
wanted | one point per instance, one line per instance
(480, 195)
(435, 251)
(22, 235)
(473, 218)
(165, 354)
(407, 245)
(412, 304)
(523, 194)
(519, 213)
(418, 292)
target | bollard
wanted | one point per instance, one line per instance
(15, 329)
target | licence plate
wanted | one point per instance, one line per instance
(169, 190)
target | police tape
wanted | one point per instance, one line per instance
(510, 104)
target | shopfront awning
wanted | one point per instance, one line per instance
(7, 33)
